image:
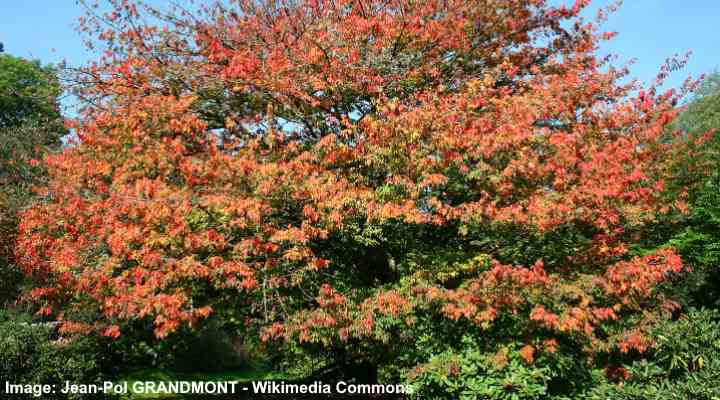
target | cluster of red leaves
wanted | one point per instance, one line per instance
(182, 182)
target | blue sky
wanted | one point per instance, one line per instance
(649, 31)
(33, 28)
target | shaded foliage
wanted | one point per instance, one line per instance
(32, 353)
(683, 365)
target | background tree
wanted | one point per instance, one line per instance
(695, 235)
(699, 241)
(703, 111)
(28, 92)
(30, 124)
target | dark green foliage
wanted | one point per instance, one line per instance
(685, 364)
(28, 92)
(699, 244)
(32, 353)
(697, 235)
(473, 374)
(473, 370)
(207, 349)
(464, 361)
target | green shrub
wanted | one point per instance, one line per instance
(34, 354)
(471, 368)
(684, 365)
(472, 374)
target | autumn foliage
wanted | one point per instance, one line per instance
(302, 167)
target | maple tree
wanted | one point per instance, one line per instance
(331, 173)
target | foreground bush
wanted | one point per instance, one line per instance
(32, 353)
(685, 364)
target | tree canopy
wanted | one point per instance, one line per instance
(28, 91)
(353, 176)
